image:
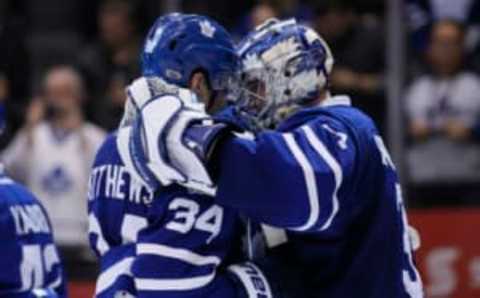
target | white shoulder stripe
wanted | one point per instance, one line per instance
(122, 140)
(174, 284)
(334, 166)
(177, 253)
(310, 182)
(108, 277)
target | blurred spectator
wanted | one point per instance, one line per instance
(421, 14)
(117, 50)
(52, 154)
(442, 107)
(359, 50)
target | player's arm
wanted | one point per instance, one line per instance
(164, 270)
(183, 254)
(168, 257)
(284, 179)
(288, 179)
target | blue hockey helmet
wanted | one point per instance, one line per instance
(180, 44)
(285, 65)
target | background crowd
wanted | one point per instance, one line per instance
(64, 67)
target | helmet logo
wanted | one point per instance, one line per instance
(282, 49)
(251, 61)
(207, 29)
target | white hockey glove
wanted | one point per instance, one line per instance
(146, 88)
(159, 149)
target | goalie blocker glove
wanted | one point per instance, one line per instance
(171, 139)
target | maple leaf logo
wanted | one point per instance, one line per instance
(252, 61)
(207, 29)
(281, 49)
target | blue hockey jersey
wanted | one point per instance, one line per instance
(29, 261)
(169, 243)
(326, 177)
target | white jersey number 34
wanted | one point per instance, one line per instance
(188, 217)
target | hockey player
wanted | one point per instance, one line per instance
(166, 240)
(315, 166)
(29, 261)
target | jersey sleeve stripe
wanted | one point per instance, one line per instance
(334, 166)
(177, 253)
(109, 276)
(310, 182)
(177, 284)
(56, 283)
(94, 228)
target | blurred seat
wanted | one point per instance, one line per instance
(47, 49)
(57, 15)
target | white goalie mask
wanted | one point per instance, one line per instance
(285, 66)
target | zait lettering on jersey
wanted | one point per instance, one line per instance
(29, 219)
(115, 182)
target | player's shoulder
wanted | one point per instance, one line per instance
(352, 118)
(14, 193)
(108, 151)
(337, 124)
(336, 112)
